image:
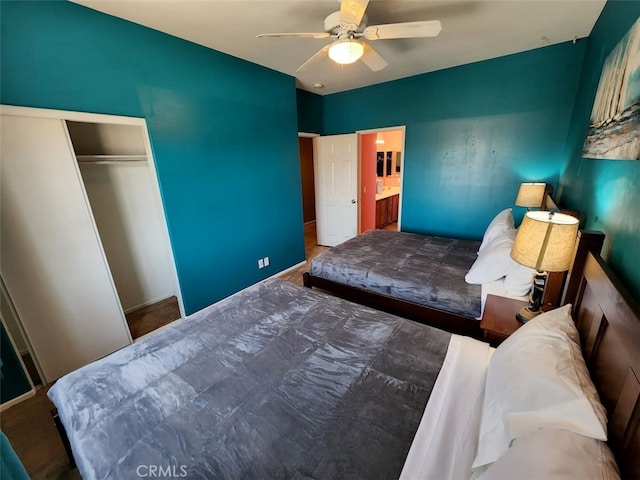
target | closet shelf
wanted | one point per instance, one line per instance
(104, 159)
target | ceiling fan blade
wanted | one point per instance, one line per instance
(316, 57)
(429, 28)
(351, 13)
(373, 59)
(294, 35)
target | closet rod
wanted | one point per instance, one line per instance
(105, 159)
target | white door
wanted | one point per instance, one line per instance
(336, 182)
(51, 258)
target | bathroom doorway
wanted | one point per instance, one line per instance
(381, 173)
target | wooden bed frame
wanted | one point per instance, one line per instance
(609, 324)
(452, 322)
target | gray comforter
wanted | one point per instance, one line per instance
(417, 268)
(275, 382)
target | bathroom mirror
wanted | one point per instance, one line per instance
(385, 164)
(380, 164)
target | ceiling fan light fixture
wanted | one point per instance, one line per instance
(346, 51)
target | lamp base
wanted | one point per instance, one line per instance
(526, 313)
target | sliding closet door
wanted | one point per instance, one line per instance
(51, 258)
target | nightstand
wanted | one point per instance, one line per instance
(499, 318)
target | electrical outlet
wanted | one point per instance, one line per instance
(261, 263)
(266, 261)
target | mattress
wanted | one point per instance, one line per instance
(277, 381)
(423, 269)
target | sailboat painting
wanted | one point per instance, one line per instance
(614, 127)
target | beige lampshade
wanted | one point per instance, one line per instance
(545, 241)
(530, 194)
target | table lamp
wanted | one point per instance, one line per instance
(546, 242)
(530, 195)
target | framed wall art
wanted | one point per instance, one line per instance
(614, 126)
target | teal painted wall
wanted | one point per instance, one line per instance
(309, 112)
(607, 192)
(473, 133)
(223, 131)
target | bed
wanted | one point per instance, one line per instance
(421, 270)
(292, 383)
(270, 383)
(433, 280)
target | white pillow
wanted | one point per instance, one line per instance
(494, 261)
(501, 222)
(557, 454)
(537, 378)
(556, 320)
(519, 280)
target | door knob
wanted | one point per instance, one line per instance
(353, 200)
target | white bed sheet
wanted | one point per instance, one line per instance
(445, 444)
(497, 288)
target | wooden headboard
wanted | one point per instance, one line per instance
(547, 200)
(549, 204)
(609, 324)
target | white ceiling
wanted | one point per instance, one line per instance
(472, 30)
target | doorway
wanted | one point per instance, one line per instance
(381, 173)
(377, 184)
(307, 180)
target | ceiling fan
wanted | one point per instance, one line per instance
(348, 26)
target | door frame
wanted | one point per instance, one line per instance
(65, 115)
(402, 169)
(306, 135)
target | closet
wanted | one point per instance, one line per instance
(83, 237)
(121, 192)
